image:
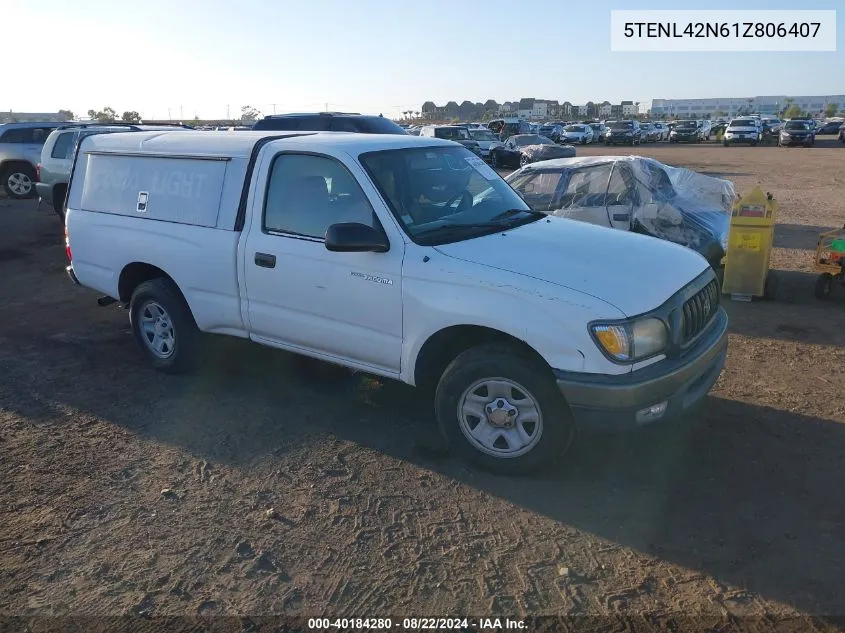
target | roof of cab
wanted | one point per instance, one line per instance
(237, 144)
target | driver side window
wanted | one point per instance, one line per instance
(618, 192)
(306, 194)
(586, 188)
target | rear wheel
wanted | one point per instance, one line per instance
(501, 409)
(19, 181)
(164, 327)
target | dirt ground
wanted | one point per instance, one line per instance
(259, 487)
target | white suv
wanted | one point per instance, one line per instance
(743, 130)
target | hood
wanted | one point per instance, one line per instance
(634, 273)
(742, 128)
(548, 151)
(489, 144)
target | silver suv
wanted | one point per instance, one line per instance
(20, 150)
(57, 157)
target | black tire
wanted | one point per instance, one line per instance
(508, 362)
(584, 140)
(184, 351)
(824, 286)
(19, 174)
(726, 143)
(59, 195)
(494, 162)
(753, 143)
(524, 160)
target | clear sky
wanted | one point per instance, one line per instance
(211, 57)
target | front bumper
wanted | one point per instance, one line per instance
(45, 192)
(686, 138)
(621, 139)
(741, 137)
(612, 402)
(72, 275)
(792, 140)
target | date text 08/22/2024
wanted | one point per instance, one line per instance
(416, 624)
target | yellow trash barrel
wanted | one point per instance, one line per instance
(749, 246)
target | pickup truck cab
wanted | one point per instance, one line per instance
(402, 256)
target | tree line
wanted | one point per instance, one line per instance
(109, 115)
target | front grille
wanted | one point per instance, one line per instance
(699, 310)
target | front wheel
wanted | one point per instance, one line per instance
(524, 160)
(494, 162)
(502, 410)
(164, 327)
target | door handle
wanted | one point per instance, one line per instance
(265, 260)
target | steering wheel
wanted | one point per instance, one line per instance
(466, 201)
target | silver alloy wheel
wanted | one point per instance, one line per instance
(19, 183)
(157, 329)
(500, 417)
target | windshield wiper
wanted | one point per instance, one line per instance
(503, 220)
(509, 213)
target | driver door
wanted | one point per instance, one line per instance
(302, 297)
(585, 195)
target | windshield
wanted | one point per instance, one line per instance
(742, 123)
(687, 125)
(574, 128)
(445, 194)
(483, 135)
(531, 139)
(621, 125)
(451, 133)
(797, 125)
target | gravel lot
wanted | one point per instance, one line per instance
(267, 485)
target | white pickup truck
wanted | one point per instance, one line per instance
(401, 256)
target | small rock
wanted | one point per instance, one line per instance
(42, 541)
(271, 513)
(244, 550)
(169, 493)
(563, 571)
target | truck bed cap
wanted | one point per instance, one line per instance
(239, 144)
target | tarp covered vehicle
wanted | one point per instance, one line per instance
(634, 193)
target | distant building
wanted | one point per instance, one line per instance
(526, 108)
(31, 117)
(733, 106)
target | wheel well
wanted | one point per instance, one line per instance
(134, 274)
(10, 164)
(444, 346)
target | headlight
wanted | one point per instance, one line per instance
(629, 342)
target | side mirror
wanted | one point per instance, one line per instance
(353, 237)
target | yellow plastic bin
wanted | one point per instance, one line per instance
(750, 248)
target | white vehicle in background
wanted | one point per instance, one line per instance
(401, 256)
(743, 130)
(486, 140)
(579, 133)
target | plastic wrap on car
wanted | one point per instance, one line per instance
(672, 203)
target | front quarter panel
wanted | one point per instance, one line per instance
(443, 292)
